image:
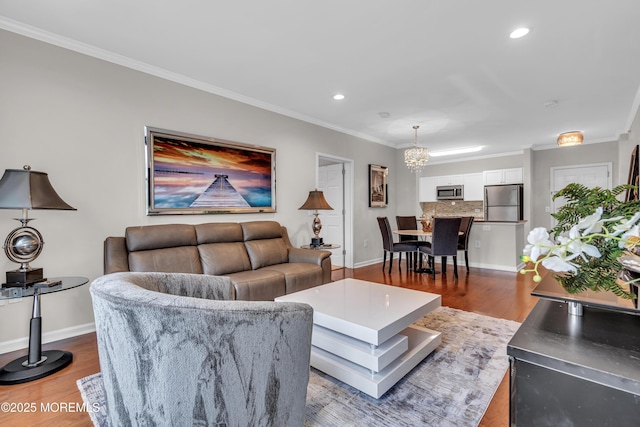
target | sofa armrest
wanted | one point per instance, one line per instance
(313, 256)
(116, 258)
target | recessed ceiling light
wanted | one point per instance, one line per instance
(338, 97)
(456, 151)
(520, 32)
(384, 114)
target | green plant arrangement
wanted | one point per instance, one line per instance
(594, 240)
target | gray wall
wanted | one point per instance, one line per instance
(544, 160)
(81, 120)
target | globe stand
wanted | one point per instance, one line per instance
(20, 278)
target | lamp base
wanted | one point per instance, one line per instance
(317, 241)
(18, 278)
(17, 372)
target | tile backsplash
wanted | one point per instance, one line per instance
(453, 208)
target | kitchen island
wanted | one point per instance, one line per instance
(497, 245)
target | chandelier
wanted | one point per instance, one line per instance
(416, 157)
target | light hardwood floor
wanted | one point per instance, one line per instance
(489, 292)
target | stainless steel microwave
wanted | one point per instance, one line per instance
(450, 192)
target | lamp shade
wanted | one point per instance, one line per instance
(315, 201)
(27, 189)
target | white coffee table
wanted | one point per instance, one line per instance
(363, 333)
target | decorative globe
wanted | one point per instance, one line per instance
(24, 245)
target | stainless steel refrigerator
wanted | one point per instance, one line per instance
(503, 202)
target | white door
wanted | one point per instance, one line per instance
(330, 181)
(593, 175)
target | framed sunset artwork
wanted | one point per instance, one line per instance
(191, 174)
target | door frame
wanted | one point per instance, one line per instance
(347, 214)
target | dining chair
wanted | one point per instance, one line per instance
(389, 246)
(444, 243)
(463, 239)
(409, 223)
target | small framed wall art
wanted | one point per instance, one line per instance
(191, 174)
(378, 190)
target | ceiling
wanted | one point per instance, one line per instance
(447, 66)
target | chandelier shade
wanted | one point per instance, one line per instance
(416, 157)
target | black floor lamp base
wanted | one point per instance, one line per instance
(15, 373)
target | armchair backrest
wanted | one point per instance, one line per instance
(169, 355)
(444, 241)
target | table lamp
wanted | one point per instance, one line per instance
(315, 202)
(26, 189)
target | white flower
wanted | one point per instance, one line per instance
(591, 223)
(560, 264)
(539, 243)
(578, 247)
(625, 225)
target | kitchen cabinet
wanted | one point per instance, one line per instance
(427, 189)
(473, 186)
(503, 176)
(450, 180)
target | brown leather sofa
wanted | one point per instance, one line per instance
(256, 255)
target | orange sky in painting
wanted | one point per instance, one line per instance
(190, 156)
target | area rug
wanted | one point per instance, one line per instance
(451, 387)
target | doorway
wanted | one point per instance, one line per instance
(335, 179)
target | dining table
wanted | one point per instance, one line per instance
(424, 235)
(418, 233)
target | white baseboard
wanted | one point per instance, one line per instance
(509, 268)
(366, 263)
(60, 334)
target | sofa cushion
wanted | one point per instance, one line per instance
(298, 275)
(218, 232)
(263, 253)
(258, 285)
(185, 259)
(258, 230)
(224, 258)
(160, 236)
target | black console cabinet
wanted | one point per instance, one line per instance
(575, 370)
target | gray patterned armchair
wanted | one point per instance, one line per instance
(175, 349)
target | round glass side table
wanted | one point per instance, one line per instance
(37, 363)
(325, 246)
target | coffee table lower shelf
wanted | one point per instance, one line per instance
(421, 342)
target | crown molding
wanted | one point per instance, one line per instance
(105, 55)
